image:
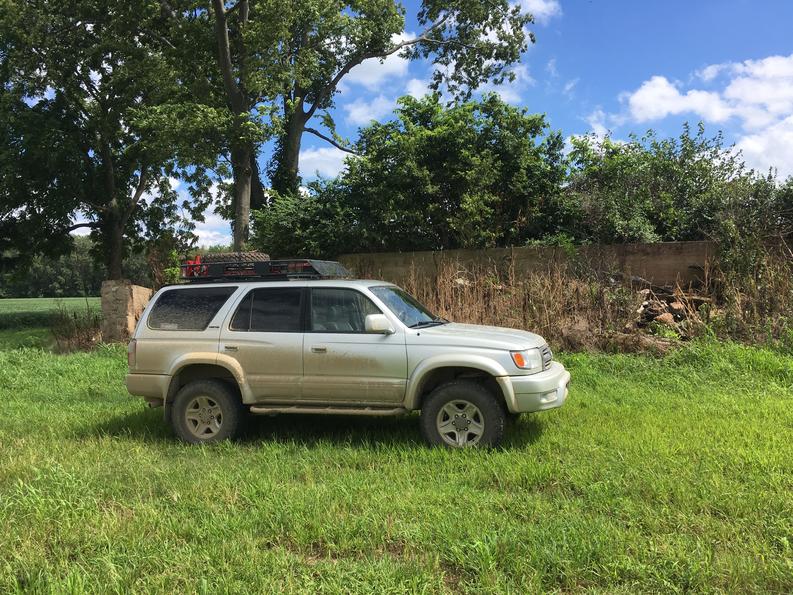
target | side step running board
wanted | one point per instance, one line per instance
(379, 411)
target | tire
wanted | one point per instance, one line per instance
(206, 411)
(474, 405)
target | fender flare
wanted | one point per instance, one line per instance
(478, 362)
(212, 359)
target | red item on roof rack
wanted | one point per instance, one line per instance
(193, 268)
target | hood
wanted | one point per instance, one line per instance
(474, 335)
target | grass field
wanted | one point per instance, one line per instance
(657, 475)
(37, 312)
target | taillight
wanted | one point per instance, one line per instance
(131, 353)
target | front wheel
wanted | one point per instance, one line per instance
(206, 411)
(462, 413)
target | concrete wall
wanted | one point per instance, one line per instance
(122, 305)
(664, 263)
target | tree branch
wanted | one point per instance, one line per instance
(330, 140)
(331, 86)
(143, 181)
(91, 224)
(236, 99)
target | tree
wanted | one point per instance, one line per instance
(475, 175)
(291, 56)
(470, 42)
(78, 80)
(227, 55)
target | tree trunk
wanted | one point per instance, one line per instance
(258, 198)
(287, 180)
(241, 164)
(114, 257)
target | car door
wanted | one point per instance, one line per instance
(342, 363)
(265, 335)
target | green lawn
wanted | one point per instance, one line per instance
(16, 313)
(657, 475)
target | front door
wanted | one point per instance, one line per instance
(265, 336)
(342, 363)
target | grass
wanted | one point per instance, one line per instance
(26, 337)
(657, 475)
(17, 313)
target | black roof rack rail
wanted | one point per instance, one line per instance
(197, 271)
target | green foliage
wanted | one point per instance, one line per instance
(651, 189)
(477, 174)
(76, 273)
(640, 483)
(78, 86)
(467, 41)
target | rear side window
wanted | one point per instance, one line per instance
(188, 309)
(275, 310)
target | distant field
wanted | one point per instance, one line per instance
(19, 313)
(658, 475)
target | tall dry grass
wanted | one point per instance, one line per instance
(756, 300)
(565, 306)
(582, 305)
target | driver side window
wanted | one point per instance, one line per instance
(340, 310)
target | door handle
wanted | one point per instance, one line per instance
(230, 348)
(319, 349)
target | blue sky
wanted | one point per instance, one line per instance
(623, 66)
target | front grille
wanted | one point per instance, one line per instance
(547, 356)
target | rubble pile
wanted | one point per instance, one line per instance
(672, 308)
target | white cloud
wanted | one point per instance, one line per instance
(213, 231)
(360, 112)
(550, 67)
(658, 98)
(511, 92)
(543, 10)
(372, 73)
(755, 94)
(770, 147)
(327, 161)
(417, 88)
(597, 121)
(570, 86)
(709, 73)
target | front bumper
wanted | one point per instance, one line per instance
(540, 391)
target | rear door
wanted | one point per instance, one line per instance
(265, 335)
(181, 320)
(342, 362)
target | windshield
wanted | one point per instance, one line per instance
(407, 308)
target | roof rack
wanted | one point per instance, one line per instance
(197, 271)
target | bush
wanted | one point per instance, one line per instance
(76, 330)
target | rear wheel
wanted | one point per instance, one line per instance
(206, 411)
(462, 413)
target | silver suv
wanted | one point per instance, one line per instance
(213, 351)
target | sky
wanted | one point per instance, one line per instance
(614, 66)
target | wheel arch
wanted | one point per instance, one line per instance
(437, 371)
(200, 366)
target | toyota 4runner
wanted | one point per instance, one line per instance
(282, 337)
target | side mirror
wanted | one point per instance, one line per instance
(378, 323)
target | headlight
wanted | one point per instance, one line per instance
(529, 359)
